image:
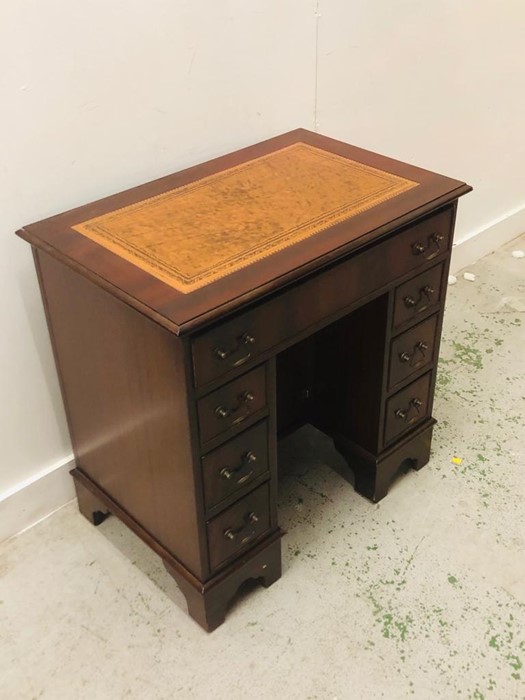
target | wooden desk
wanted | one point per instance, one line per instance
(196, 318)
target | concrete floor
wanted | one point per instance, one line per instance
(422, 595)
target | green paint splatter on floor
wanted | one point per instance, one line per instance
(393, 628)
(516, 664)
(444, 377)
(504, 643)
(468, 355)
(493, 642)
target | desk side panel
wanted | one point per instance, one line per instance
(125, 390)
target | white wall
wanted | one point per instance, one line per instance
(101, 95)
(438, 84)
(98, 96)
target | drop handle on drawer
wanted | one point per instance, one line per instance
(433, 245)
(424, 293)
(244, 398)
(244, 340)
(250, 519)
(403, 414)
(247, 458)
(420, 347)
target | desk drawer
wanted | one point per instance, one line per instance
(412, 350)
(245, 336)
(406, 408)
(239, 526)
(429, 238)
(418, 295)
(232, 403)
(235, 465)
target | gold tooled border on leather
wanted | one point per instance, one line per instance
(197, 233)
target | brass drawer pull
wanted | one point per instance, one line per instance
(243, 340)
(434, 240)
(244, 398)
(250, 519)
(424, 295)
(420, 347)
(403, 414)
(247, 458)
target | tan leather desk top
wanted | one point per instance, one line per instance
(192, 246)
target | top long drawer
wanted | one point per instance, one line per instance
(246, 335)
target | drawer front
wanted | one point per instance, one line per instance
(418, 295)
(232, 403)
(239, 526)
(430, 238)
(247, 335)
(407, 408)
(412, 350)
(234, 466)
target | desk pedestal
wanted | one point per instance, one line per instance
(372, 476)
